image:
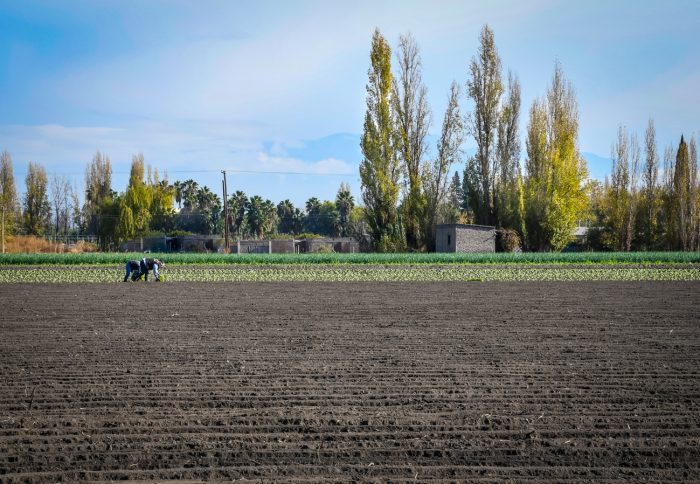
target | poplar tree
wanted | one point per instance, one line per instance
(380, 168)
(137, 200)
(484, 88)
(448, 153)
(555, 192)
(508, 188)
(37, 209)
(412, 116)
(623, 194)
(651, 176)
(685, 195)
(98, 192)
(8, 192)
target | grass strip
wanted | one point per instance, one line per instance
(108, 258)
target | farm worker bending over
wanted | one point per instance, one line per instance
(132, 269)
(136, 269)
(146, 265)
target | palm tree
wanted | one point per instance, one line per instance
(236, 209)
(189, 193)
(177, 186)
(344, 203)
(285, 215)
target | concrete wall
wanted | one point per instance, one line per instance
(345, 245)
(465, 238)
(251, 247)
(141, 244)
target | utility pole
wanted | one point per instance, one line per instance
(3, 229)
(225, 211)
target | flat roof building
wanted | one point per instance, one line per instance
(465, 238)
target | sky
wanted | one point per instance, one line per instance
(279, 86)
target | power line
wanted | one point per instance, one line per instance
(245, 172)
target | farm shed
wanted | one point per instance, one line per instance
(465, 238)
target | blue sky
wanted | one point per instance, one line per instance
(280, 86)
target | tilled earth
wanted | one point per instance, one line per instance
(370, 381)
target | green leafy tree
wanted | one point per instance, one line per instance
(8, 193)
(290, 220)
(209, 212)
(312, 218)
(177, 188)
(508, 188)
(237, 211)
(555, 191)
(685, 196)
(261, 215)
(162, 198)
(138, 197)
(344, 204)
(37, 210)
(380, 169)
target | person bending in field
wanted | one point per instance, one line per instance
(136, 269)
(132, 269)
(146, 265)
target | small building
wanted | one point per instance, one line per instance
(465, 238)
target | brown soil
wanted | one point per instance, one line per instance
(372, 381)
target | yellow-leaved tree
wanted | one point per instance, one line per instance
(556, 181)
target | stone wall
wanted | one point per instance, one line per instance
(465, 238)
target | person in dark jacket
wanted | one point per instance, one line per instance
(146, 265)
(136, 269)
(132, 269)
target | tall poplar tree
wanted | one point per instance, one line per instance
(137, 200)
(437, 174)
(623, 195)
(98, 193)
(484, 88)
(8, 192)
(508, 188)
(412, 116)
(555, 192)
(650, 183)
(380, 168)
(37, 209)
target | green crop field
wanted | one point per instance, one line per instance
(352, 273)
(364, 258)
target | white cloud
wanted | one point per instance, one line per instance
(280, 164)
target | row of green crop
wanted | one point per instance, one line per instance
(354, 274)
(364, 258)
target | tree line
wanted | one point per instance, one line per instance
(152, 205)
(645, 203)
(535, 205)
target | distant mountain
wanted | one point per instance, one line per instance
(598, 166)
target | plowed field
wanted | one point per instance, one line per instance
(492, 381)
